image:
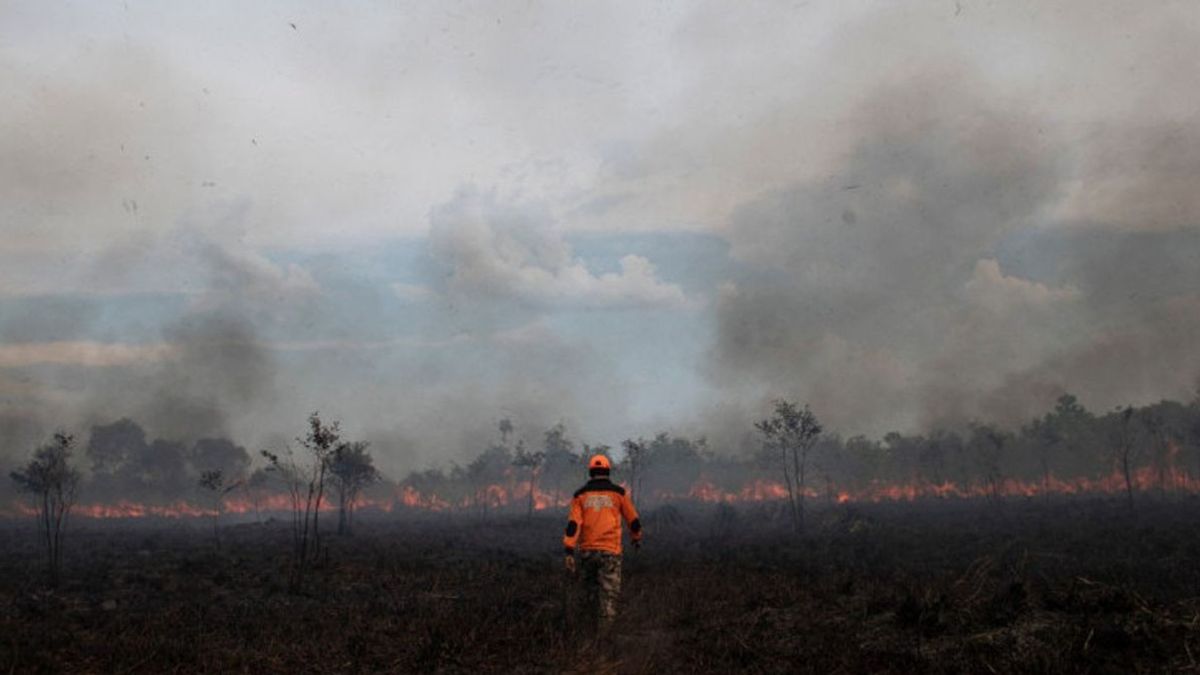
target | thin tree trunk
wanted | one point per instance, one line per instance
(299, 517)
(45, 527)
(801, 459)
(787, 480)
(59, 516)
(51, 552)
(317, 512)
(295, 520)
(307, 518)
(302, 557)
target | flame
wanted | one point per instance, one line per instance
(127, 509)
(514, 492)
(757, 490)
(413, 499)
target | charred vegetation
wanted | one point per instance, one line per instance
(994, 549)
(1058, 585)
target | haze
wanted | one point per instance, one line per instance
(629, 217)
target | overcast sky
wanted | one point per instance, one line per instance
(628, 217)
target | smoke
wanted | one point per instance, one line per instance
(935, 213)
(202, 372)
(220, 368)
(964, 261)
(879, 284)
(499, 272)
(216, 371)
(42, 319)
(258, 344)
(506, 253)
(446, 405)
(126, 465)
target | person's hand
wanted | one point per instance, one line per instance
(569, 563)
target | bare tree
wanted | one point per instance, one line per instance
(989, 443)
(1124, 445)
(532, 461)
(636, 456)
(1165, 426)
(306, 486)
(352, 469)
(320, 441)
(1045, 439)
(561, 464)
(293, 474)
(255, 488)
(1073, 426)
(53, 482)
(788, 438)
(213, 481)
(487, 474)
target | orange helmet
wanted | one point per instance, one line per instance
(599, 462)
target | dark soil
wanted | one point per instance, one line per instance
(1032, 586)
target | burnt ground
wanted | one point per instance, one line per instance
(1022, 586)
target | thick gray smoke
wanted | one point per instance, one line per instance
(211, 372)
(451, 405)
(219, 368)
(933, 278)
(505, 256)
(935, 212)
(127, 465)
(213, 368)
(499, 271)
(192, 377)
(227, 365)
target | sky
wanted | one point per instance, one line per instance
(624, 216)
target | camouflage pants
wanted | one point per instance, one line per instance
(602, 580)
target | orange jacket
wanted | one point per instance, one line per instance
(595, 520)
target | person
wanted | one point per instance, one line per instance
(594, 528)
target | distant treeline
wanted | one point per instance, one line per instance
(1068, 449)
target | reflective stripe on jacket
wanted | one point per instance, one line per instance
(595, 520)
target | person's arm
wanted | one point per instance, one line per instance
(574, 520)
(630, 514)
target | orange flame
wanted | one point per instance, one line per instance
(1162, 475)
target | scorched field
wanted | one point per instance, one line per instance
(1018, 585)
